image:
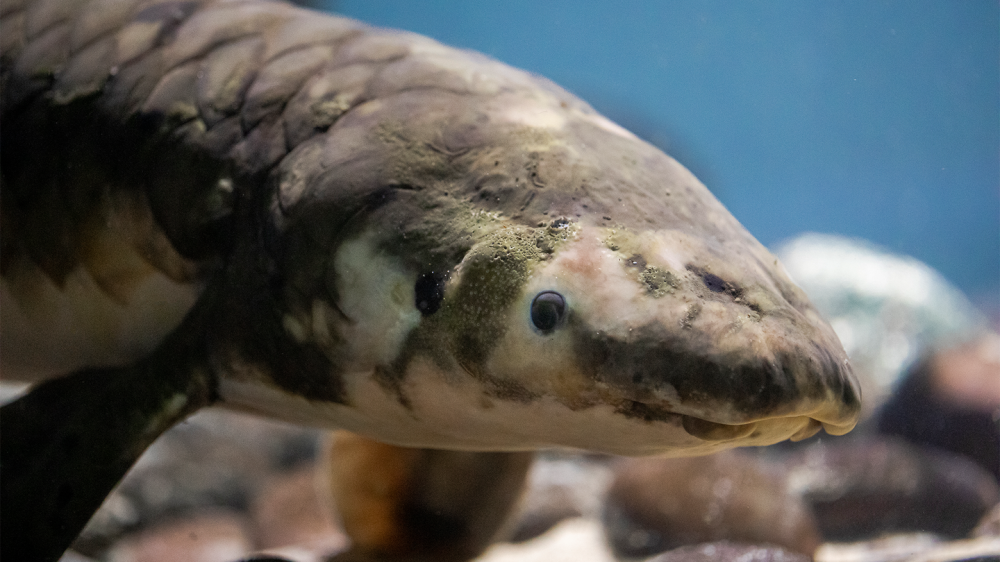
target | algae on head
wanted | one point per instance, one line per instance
(490, 279)
(659, 282)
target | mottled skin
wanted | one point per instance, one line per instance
(254, 205)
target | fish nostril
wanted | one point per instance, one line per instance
(715, 283)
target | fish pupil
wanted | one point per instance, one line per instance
(428, 293)
(548, 310)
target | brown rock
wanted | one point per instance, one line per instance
(289, 512)
(862, 488)
(989, 525)
(561, 485)
(951, 400)
(726, 551)
(216, 460)
(209, 537)
(655, 505)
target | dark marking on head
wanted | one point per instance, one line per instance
(645, 412)
(64, 495)
(304, 370)
(652, 361)
(428, 293)
(299, 368)
(715, 283)
(390, 378)
(501, 389)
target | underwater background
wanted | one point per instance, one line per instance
(871, 119)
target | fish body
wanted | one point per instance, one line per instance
(361, 228)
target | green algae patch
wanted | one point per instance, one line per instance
(659, 282)
(476, 313)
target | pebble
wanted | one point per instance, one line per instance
(571, 540)
(725, 551)
(989, 525)
(657, 504)
(208, 537)
(288, 512)
(951, 401)
(215, 459)
(862, 488)
(561, 485)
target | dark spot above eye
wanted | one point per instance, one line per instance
(428, 293)
(548, 311)
(715, 283)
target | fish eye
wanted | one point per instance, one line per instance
(548, 311)
(428, 293)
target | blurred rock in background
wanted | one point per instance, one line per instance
(888, 310)
(656, 504)
(215, 461)
(865, 488)
(951, 401)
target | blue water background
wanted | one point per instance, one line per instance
(873, 119)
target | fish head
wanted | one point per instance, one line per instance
(640, 343)
(519, 282)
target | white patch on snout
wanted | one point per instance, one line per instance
(375, 292)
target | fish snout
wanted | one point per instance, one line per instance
(787, 378)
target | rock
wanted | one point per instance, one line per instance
(657, 504)
(572, 540)
(912, 548)
(289, 512)
(951, 401)
(216, 459)
(725, 551)
(989, 525)
(887, 309)
(863, 488)
(560, 486)
(209, 537)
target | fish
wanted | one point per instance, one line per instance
(260, 207)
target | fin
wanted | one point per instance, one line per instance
(69, 441)
(400, 503)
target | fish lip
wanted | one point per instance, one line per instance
(709, 429)
(713, 431)
(696, 426)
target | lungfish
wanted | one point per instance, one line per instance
(256, 206)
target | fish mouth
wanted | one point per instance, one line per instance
(714, 431)
(794, 427)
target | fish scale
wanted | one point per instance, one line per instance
(256, 206)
